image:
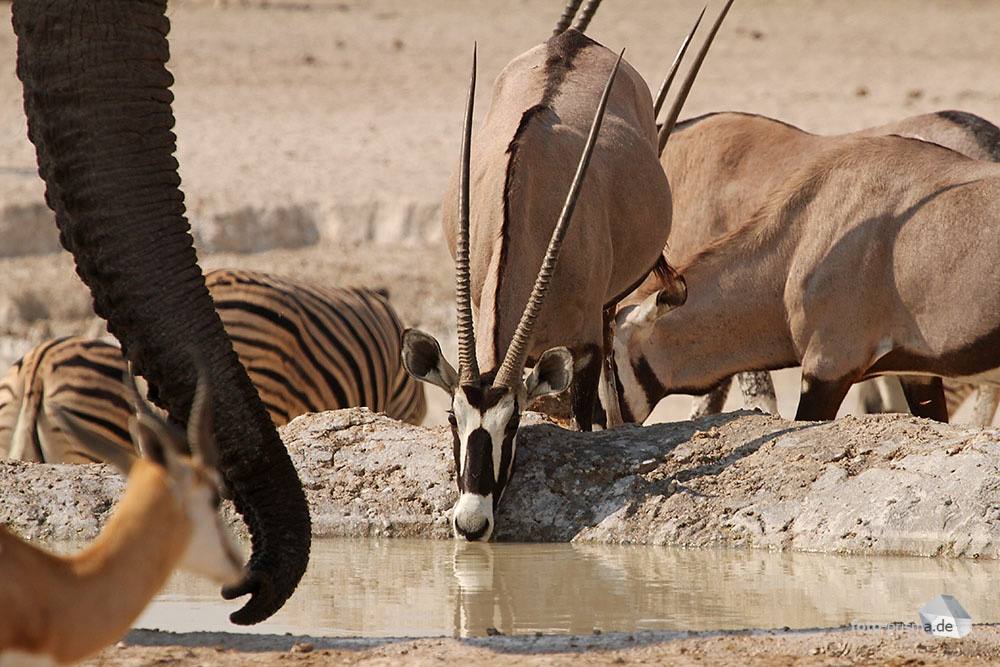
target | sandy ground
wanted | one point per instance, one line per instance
(812, 647)
(328, 129)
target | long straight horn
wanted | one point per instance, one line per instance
(513, 363)
(567, 17)
(468, 367)
(661, 94)
(675, 110)
(587, 13)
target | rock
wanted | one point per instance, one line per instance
(882, 484)
(57, 502)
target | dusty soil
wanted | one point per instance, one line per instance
(315, 139)
(829, 647)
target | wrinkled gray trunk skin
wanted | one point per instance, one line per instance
(97, 98)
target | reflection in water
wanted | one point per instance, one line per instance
(379, 588)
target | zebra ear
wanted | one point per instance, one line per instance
(423, 360)
(551, 375)
(104, 448)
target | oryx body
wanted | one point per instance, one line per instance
(722, 167)
(879, 255)
(522, 163)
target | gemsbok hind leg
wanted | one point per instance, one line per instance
(758, 391)
(712, 402)
(925, 396)
(985, 406)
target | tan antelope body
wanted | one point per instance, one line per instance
(521, 167)
(879, 255)
(722, 167)
(57, 609)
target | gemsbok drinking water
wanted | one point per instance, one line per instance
(513, 219)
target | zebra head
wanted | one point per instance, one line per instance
(486, 407)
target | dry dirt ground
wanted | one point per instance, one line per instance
(315, 139)
(837, 647)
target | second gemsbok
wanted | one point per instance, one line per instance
(877, 256)
(722, 166)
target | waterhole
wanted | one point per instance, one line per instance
(387, 588)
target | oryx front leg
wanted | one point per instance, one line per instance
(712, 402)
(827, 375)
(820, 399)
(587, 369)
(607, 390)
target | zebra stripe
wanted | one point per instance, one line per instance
(310, 348)
(306, 348)
(79, 375)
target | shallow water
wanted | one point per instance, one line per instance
(378, 588)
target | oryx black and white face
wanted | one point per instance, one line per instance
(484, 421)
(637, 386)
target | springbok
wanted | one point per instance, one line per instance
(56, 609)
(877, 256)
(722, 166)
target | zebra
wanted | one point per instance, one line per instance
(307, 348)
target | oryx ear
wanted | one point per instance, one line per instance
(658, 304)
(551, 375)
(423, 360)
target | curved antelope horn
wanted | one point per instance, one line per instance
(587, 13)
(136, 397)
(513, 363)
(468, 368)
(567, 17)
(661, 94)
(199, 427)
(675, 110)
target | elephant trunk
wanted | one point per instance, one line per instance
(96, 93)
